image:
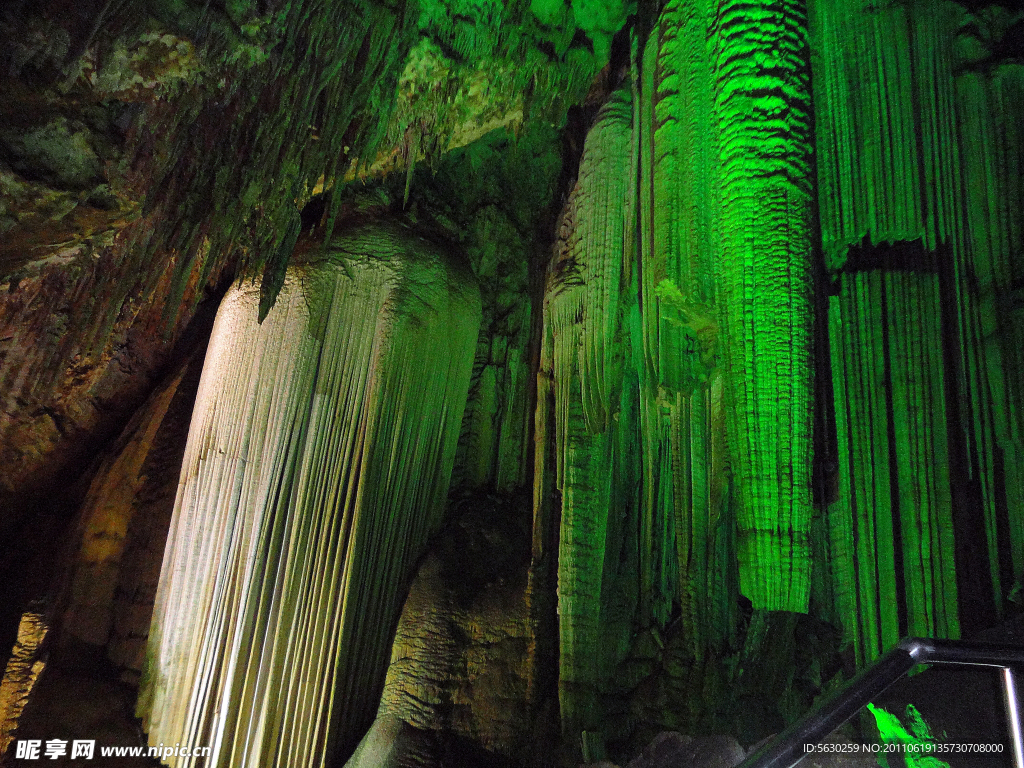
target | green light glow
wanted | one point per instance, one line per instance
(763, 110)
(723, 266)
(685, 454)
(913, 740)
(918, 146)
(887, 367)
(725, 151)
(582, 343)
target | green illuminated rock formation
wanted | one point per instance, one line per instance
(914, 740)
(725, 219)
(582, 353)
(762, 106)
(742, 303)
(697, 352)
(917, 167)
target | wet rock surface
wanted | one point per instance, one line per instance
(673, 749)
(459, 679)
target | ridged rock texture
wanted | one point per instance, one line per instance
(919, 169)
(762, 104)
(317, 465)
(459, 681)
(725, 258)
(678, 339)
(778, 354)
(679, 321)
(583, 353)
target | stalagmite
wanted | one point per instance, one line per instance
(317, 464)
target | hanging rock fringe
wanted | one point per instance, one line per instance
(317, 464)
(725, 252)
(916, 145)
(311, 102)
(582, 343)
(762, 103)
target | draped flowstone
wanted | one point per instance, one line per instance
(919, 143)
(891, 422)
(317, 465)
(725, 231)
(684, 445)
(582, 352)
(677, 312)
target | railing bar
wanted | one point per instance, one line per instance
(969, 653)
(787, 748)
(1013, 715)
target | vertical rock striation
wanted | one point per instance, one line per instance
(582, 351)
(762, 104)
(725, 281)
(919, 190)
(678, 313)
(317, 464)
(725, 244)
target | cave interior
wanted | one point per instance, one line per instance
(502, 382)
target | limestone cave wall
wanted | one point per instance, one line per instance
(668, 369)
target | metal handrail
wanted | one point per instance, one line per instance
(787, 748)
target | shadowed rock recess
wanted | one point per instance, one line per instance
(515, 383)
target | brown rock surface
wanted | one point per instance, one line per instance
(459, 673)
(104, 607)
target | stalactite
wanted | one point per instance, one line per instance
(725, 222)
(703, 525)
(890, 412)
(317, 465)
(883, 88)
(681, 221)
(882, 80)
(918, 142)
(677, 328)
(763, 108)
(920, 448)
(582, 315)
(992, 334)
(298, 112)
(862, 531)
(710, 157)
(842, 529)
(587, 485)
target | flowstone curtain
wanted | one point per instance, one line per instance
(583, 354)
(678, 342)
(725, 232)
(919, 157)
(317, 464)
(891, 422)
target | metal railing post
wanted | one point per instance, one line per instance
(1012, 700)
